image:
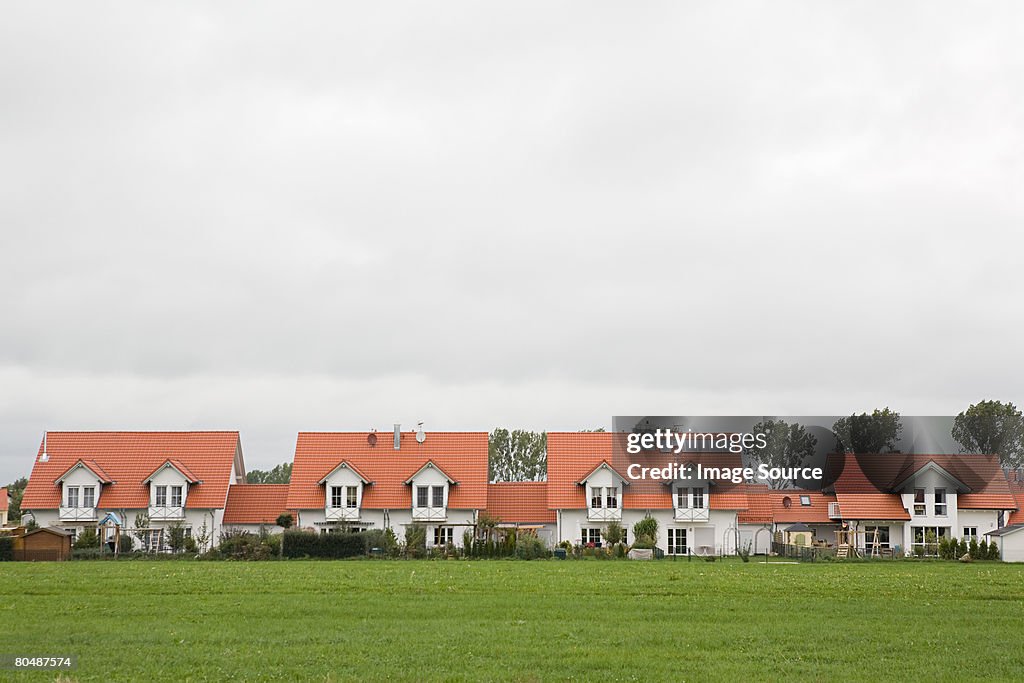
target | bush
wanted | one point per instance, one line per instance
(973, 548)
(613, 533)
(87, 539)
(963, 549)
(744, 552)
(982, 550)
(242, 545)
(529, 547)
(993, 550)
(6, 548)
(308, 544)
(646, 532)
(416, 540)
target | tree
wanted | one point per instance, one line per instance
(645, 532)
(992, 427)
(613, 533)
(280, 474)
(285, 520)
(176, 537)
(518, 455)
(875, 433)
(787, 445)
(16, 489)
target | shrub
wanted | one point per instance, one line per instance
(744, 552)
(973, 548)
(416, 540)
(190, 545)
(613, 533)
(242, 545)
(176, 537)
(309, 544)
(87, 539)
(645, 532)
(993, 550)
(963, 548)
(6, 548)
(529, 547)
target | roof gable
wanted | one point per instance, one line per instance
(916, 469)
(178, 467)
(91, 466)
(346, 465)
(429, 465)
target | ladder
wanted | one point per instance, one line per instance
(843, 551)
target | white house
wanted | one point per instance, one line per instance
(150, 480)
(589, 486)
(370, 480)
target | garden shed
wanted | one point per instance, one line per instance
(1011, 542)
(46, 543)
(799, 534)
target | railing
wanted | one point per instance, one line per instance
(604, 514)
(166, 512)
(833, 511)
(342, 514)
(803, 553)
(429, 514)
(693, 514)
(78, 514)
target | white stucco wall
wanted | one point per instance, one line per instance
(719, 531)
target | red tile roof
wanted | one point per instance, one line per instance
(127, 458)
(856, 476)
(759, 510)
(461, 455)
(256, 503)
(1017, 488)
(574, 455)
(796, 511)
(4, 501)
(525, 502)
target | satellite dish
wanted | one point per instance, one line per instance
(421, 436)
(371, 439)
(44, 458)
(787, 502)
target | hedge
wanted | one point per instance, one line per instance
(6, 548)
(306, 544)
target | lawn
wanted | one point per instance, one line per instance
(500, 620)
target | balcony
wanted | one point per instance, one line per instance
(342, 514)
(162, 512)
(78, 514)
(429, 514)
(604, 514)
(833, 511)
(692, 514)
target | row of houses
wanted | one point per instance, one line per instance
(882, 504)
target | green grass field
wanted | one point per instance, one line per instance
(500, 620)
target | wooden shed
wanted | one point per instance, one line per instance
(46, 543)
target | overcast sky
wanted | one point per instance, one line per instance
(294, 216)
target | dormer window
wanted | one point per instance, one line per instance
(72, 496)
(161, 496)
(698, 498)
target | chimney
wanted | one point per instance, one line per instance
(398, 436)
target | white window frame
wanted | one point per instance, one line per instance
(682, 498)
(88, 496)
(177, 496)
(591, 535)
(337, 497)
(677, 545)
(351, 497)
(160, 496)
(443, 535)
(920, 508)
(700, 499)
(941, 508)
(437, 497)
(72, 496)
(422, 497)
(970, 532)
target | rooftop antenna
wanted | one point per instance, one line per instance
(45, 456)
(420, 435)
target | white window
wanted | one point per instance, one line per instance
(422, 496)
(592, 535)
(72, 496)
(869, 538)
(612, 497)
(805, 501)
(438, 497)
(443, 535)
(940, 502)
(596, 497)
(161, 496)
(698, 498)
(176, 496)
(337, 496)
(919, 502)
(89, 496)
(970, 533)
(927, 537)
(682, 498)
(351, 497)
(676, 541)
